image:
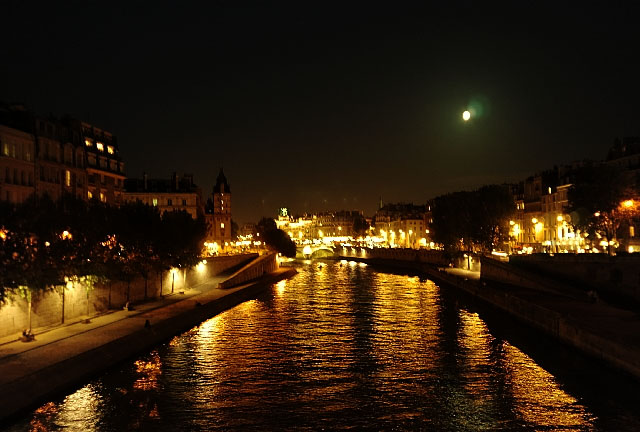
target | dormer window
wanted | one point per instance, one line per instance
(100, 146)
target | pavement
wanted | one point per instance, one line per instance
(11, 345)
(467, 274)
(62, 356)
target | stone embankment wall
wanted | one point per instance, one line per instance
(48, 309)
(255, 269)
(506, 273)
(424, 256)
(617, 275)
(564, 328)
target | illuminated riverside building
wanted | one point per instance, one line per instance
(218, 215)
(61, 159)
(323, 225)
(409, 233)
(339, 223)
(559, 235)
(17, 166)
(299, 228)
(404, 225)
(57, 157)
(105, 168)
(178, 193)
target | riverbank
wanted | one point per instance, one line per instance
(66, 356)
(600, 330)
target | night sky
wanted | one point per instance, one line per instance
(318, 105)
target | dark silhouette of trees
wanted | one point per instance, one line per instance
(360, 226)
(275, 238)
(597, 201)
(475, 221)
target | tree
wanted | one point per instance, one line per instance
(495, 206)
(472, 221)
(37, 266)
(360, 226)
(234, 230)
(597, 200)
(275, 238)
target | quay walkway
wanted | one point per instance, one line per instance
(68, 355)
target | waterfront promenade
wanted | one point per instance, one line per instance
(65, 356)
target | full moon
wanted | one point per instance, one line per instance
(466, 115)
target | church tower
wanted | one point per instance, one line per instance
(221, 229)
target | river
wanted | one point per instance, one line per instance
(344, 346)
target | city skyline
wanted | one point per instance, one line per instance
(328, 108)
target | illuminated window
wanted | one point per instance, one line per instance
(222, 225)
(89, 195)
(632, 231)
(67, 178)
(155, 202)
(103, 197)
(110, 149)
(100, 146)
(88, 142)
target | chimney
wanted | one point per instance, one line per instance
(144, 177)
(174, 177)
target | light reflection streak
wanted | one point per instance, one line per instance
(148, 371)
(80, 410)
(538, 398)
(280, 287)
(336, 347)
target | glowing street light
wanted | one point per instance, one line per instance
(466, 116)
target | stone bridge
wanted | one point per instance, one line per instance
(315, 251)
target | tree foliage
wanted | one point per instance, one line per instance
(360, 226)
(472, 221)
(275, 238)
(596, 200)
(44, 243)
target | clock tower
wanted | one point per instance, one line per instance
(220, 231)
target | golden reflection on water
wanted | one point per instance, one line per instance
(538, 398)
(344, 345)
(80, 411)
(534, 394)
(148, 371)
(280, 287)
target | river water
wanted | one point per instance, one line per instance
(344, 346)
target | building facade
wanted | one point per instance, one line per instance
(179, 193)
(105, 168)
(218, 213)
(17, 166)
(56, 157)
